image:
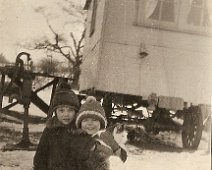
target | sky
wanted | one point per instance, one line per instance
(19, 23)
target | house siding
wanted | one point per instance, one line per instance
(179, 64)
(92, 49)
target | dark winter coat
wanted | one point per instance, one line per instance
(60, 148)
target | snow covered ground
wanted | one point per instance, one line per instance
(139, 157)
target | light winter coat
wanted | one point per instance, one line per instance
(105, 147)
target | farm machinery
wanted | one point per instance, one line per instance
(134, 110)
(19, 89)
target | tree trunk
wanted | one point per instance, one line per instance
(76, 74)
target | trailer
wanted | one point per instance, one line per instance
(152, 56)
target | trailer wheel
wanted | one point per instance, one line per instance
(192, 128)
(131, 135)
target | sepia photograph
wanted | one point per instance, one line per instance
(105, 84)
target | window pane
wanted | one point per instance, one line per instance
(206, 19)
(93, 18)
(150, 7)
(164, 11)
(155, 15)
(168, 11)
(194, 16)
(197, 2)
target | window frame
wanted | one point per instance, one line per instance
(161, 24)
(180, 24)
(196, 28)
(93, 17)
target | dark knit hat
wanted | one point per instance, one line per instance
(93, 109)
(64, 96)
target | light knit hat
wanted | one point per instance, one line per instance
(92, 109)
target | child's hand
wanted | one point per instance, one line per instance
(108, 138)
(122, 154)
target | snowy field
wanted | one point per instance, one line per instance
(139, 157)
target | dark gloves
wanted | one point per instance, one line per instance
(109, 140)
(123, 155)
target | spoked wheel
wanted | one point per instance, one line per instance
(192, 128)
(131, 135)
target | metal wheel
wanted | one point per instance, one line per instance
(131, 135)
(192, 128)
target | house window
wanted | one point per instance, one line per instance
(198, 13)
(178, 15)
(163, 10)
(93, 18)
(158, 13)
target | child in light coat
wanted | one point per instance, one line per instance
(91, 119)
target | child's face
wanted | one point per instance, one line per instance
(65, 114)
(90, 125)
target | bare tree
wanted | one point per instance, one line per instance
(3, 60)
(70, 47)
(48, 66)
(72, 53)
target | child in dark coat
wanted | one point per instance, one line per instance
(91, 119)
(60, 148)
